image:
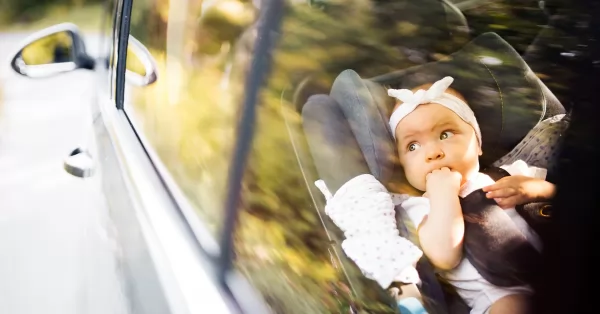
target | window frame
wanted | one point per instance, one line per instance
(185, 273)
(124, 20)
(207, 242)
(219, 249)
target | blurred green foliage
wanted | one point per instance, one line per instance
(190, 116)
(33, 15)
(24, 11)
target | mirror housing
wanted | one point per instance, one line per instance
(61, 48)
(71, 49)
(143, 56)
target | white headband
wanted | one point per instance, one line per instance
(435, 94)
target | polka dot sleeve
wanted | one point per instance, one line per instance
(363, 209)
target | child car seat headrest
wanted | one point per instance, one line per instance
(407, 33)
(505, 95)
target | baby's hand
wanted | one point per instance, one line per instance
(511, 191)
(443, 179)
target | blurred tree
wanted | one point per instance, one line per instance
(24, 11)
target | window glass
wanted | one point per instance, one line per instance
(315, 120)
(190, 113)
(538, 30)
(113, 23)
(108, 46)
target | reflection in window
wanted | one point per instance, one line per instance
(282, 243)
(189, 114)
(56, 48)
(134, 64)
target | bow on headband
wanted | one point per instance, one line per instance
(435, 94)
(421, 97)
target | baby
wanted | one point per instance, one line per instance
(439, 144)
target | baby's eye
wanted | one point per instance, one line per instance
(446, 135)
(413, 146)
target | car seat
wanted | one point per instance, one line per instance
(505, 95)
(409, 33)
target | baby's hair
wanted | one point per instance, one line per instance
(426, 86)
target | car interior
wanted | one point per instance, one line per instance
(496, 78)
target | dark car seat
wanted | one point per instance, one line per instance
(408, 33)
(506, 96)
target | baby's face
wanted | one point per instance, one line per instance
(432, 137)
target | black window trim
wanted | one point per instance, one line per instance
(123, 41)
(116, 11)
(268, 24)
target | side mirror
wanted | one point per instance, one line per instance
(141, 67)
(51, 51)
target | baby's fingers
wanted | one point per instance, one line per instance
(500, 184)
(501, 193)
(508, 202)
(495, 186)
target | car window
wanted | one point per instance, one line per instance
(114, 24)
(323, 114)
(109, 43)
(285, 243)
(190, 113)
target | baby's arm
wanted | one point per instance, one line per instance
(517, 190)
(364, 210)
(441, 233)
(525, 185)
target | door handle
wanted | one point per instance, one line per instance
(79, 163)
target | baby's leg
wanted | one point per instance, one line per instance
(512, 304)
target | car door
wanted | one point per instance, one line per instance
(170, 260)
(166, 263)
(167, 266)
(141, 284)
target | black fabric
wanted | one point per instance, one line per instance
(493, 243)
(538, 215)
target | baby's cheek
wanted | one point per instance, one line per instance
(416, 180)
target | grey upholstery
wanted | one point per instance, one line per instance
(507, 98)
